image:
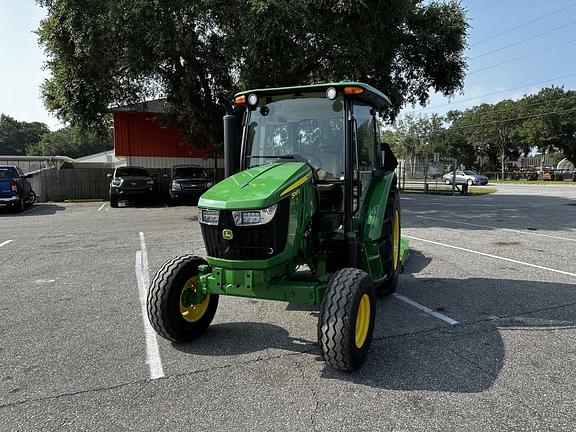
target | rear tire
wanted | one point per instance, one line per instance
(470, 182)
(447, 181)
(20, 205)
(170, 304)
(346, 322)
(390, 244)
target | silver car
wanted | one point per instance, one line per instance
(465, 177)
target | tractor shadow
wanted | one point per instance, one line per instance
(238, 338)
(414, 351)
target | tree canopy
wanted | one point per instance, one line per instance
(499, 132)
(16, 136)
(71, 142)
(115, 52)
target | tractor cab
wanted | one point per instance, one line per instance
(308, 213)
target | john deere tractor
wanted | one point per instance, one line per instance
(308, 213)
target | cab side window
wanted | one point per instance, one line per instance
(365, 138)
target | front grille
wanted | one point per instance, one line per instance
(133, 184)
(248, 242)
(192, 186)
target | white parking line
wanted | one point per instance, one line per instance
(496, 227)
(425, 309)
(492, 256)
(6, 242)
(101, 207)
(143, 277)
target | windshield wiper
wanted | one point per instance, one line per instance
(271, 157)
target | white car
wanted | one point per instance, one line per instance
(465, 177)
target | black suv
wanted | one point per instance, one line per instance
(188, 182)
(15, 189)
(131, 183)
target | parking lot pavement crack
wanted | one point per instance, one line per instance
(238, 364)
(70, 394)
(474, 364)
(10, 257)
(313, 394)
(146, 382)
(510, 391)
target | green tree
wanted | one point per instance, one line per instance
(492, 130)
(16, 136)
(552, 121)
(72, 142)
(114, 52)
(417, 137)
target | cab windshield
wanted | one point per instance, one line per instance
(308, 129)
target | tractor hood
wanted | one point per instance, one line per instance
(257, 187)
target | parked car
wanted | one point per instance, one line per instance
(465, 177)
(15, 189)
(131, 183)
(188, 182)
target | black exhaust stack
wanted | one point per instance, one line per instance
(230, 139)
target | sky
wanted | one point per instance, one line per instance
(532, 42)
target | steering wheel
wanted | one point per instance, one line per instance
(309, 157)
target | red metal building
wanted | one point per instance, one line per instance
(140, 139)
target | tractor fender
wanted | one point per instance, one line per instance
(376, 206)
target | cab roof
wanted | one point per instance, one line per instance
(371, 95)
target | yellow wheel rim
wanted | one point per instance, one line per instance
(362, 321)
(396, 240)
(192, 312)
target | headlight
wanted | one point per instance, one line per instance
(254, 217)
(176, 186)
(209, 184)
(117, 182)
(209, 217)
(149, 182)
(252, 99)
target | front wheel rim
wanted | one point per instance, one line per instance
(190, 310)
(362, 321)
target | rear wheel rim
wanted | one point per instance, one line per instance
(396, 240)
(190, 310)
(362, 321)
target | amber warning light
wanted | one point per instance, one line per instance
(353, 90)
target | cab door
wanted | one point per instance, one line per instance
(366, 155)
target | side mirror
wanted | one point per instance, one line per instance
(387, 159)
(154, 174)
(109, 175)
(166, 176)
(28, 176)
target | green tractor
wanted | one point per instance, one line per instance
(308, 213)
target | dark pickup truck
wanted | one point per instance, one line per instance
(131, 183)
(188, 182)
(15, 189)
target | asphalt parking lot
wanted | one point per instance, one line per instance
(480, 336)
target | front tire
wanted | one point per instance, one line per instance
(470, 182)
(176, 309)
(390, 244)
(113, 201)
(346, 322)
(447, 181)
